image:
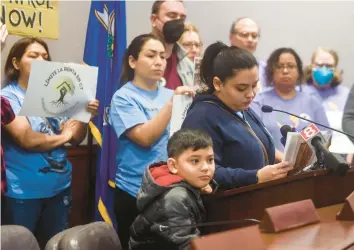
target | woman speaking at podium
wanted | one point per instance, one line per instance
(244, 150)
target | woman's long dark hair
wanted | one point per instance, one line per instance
(17, 51)
(274, 59)
(133, 50)
(222, 61)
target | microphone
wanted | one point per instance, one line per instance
(215, 223)
(325, 159)
(284, 130)
(332, 161)
(270, 109)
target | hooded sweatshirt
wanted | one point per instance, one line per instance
(238, 153)
(165, 200)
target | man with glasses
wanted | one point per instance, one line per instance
(167, 20)
(245, 33)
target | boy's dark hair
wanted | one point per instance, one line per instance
(185, 139)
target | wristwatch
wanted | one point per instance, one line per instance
(257, 177)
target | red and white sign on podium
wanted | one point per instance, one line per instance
(309, 132)
(298, 150)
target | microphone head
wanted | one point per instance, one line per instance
(284, 132)
(285, 129)
(267, 109)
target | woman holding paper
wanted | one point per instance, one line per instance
(38, 193)
(140, 114)
(244, 150)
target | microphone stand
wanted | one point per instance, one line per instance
(320, 163)
(324, 161)
(285, 112)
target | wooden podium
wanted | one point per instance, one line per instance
(329, 234)
(322, 187)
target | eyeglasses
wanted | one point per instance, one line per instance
(190, 45)
(320, 65)
(281, 67)
(246, 35)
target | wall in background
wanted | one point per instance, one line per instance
(302, 25)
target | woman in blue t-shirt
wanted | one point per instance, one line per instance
(284, 72)
(38, 194)
(140, 114)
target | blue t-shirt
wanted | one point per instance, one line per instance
(262, 84)
(33, 175)
(131, 106)
(302, 105)
(333, 98)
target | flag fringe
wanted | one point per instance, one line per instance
(104, 213)
(96, 133)
(111, 184)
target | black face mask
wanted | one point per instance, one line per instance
(173, 30)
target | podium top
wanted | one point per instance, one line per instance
(288, 179)
(329, 234)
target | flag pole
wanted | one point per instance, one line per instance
(92, 177)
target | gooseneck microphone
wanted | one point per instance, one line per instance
(270, 109)
(333, 162)
(284, 130)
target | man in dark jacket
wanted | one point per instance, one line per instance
(169, 200)
(348, 116)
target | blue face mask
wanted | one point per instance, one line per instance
(323, 75)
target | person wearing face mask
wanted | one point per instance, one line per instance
(284, 71)
(324, 82)
(167, 19)
(245, 33)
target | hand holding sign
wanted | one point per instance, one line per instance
(184, 90)
(66, 89)
(182, 100)
(92, 107)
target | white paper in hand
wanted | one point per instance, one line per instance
(60, 89)
(340, 143)
(297, 152)
(180, 106)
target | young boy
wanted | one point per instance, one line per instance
(170, 194)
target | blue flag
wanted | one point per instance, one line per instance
(105, 46)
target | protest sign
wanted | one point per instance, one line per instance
(60, 89)
(39, 18)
